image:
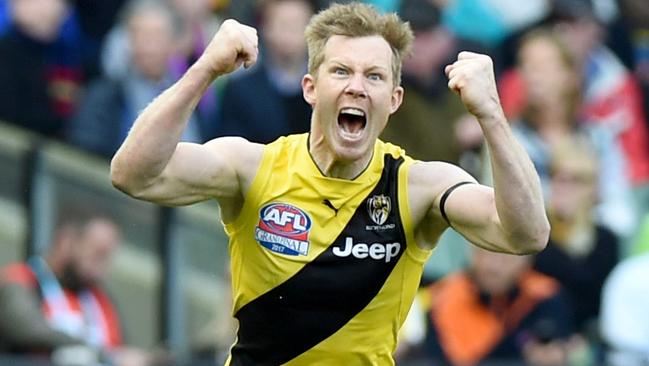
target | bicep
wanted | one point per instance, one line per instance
(471, 211)
(199, 172)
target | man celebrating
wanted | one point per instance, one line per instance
(329, 230)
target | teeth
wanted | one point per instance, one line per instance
(353, 111)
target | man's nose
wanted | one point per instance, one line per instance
(356, 86)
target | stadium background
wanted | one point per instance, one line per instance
(169, 279)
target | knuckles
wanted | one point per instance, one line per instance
(234, 30)
(229, 23)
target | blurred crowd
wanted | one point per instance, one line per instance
(573, 78)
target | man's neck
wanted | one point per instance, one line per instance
(333, 167)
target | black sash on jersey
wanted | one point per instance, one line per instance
(327, 292)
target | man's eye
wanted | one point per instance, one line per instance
(375, 77)
(340, 71)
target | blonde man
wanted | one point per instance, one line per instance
(329, 230)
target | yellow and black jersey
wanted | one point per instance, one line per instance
(324, 270)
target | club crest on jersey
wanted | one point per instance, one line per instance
(379, 208)
(283, 229)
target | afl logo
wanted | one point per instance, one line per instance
(379, 208)
(283, 229)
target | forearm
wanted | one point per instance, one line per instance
(155, 134)
(517, 189)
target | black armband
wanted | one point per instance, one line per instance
(442, 201)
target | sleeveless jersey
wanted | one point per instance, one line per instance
(324, 270)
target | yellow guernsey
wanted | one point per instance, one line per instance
(324, 270)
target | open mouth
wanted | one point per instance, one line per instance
(352, 121)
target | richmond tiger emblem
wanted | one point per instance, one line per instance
(379, 208)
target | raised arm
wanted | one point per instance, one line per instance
(152, 165)
(510, 217)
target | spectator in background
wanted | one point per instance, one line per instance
(110, 106)
(581, 252)
(92, 20)
(636, 14)
(552, 83)
(197, 25)
(56, 301)
(492, 23)
(242, 10)
(5, 16)
(79, 35)
(611, 98)
(625, 319)
(267, 102)
(193, 25)
(83, 29)
(498, 310)
(428, 104)
(40, 74)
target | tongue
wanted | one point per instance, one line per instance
(351, 123)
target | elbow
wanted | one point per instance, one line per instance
(134, 182)
(543, 235)
(121, 178)
(537, 244)
(532, 241)
(117, 176)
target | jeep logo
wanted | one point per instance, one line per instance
(377, 251)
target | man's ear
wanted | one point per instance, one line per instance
(397, 99)
(308, 89)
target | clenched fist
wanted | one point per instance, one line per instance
(472, 77)
(233, 45)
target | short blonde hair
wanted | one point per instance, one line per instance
(358, 20)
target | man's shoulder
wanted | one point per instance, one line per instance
(288, 142)
(431, 165)
(391, 148)
(437, 172)
(291, 138)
